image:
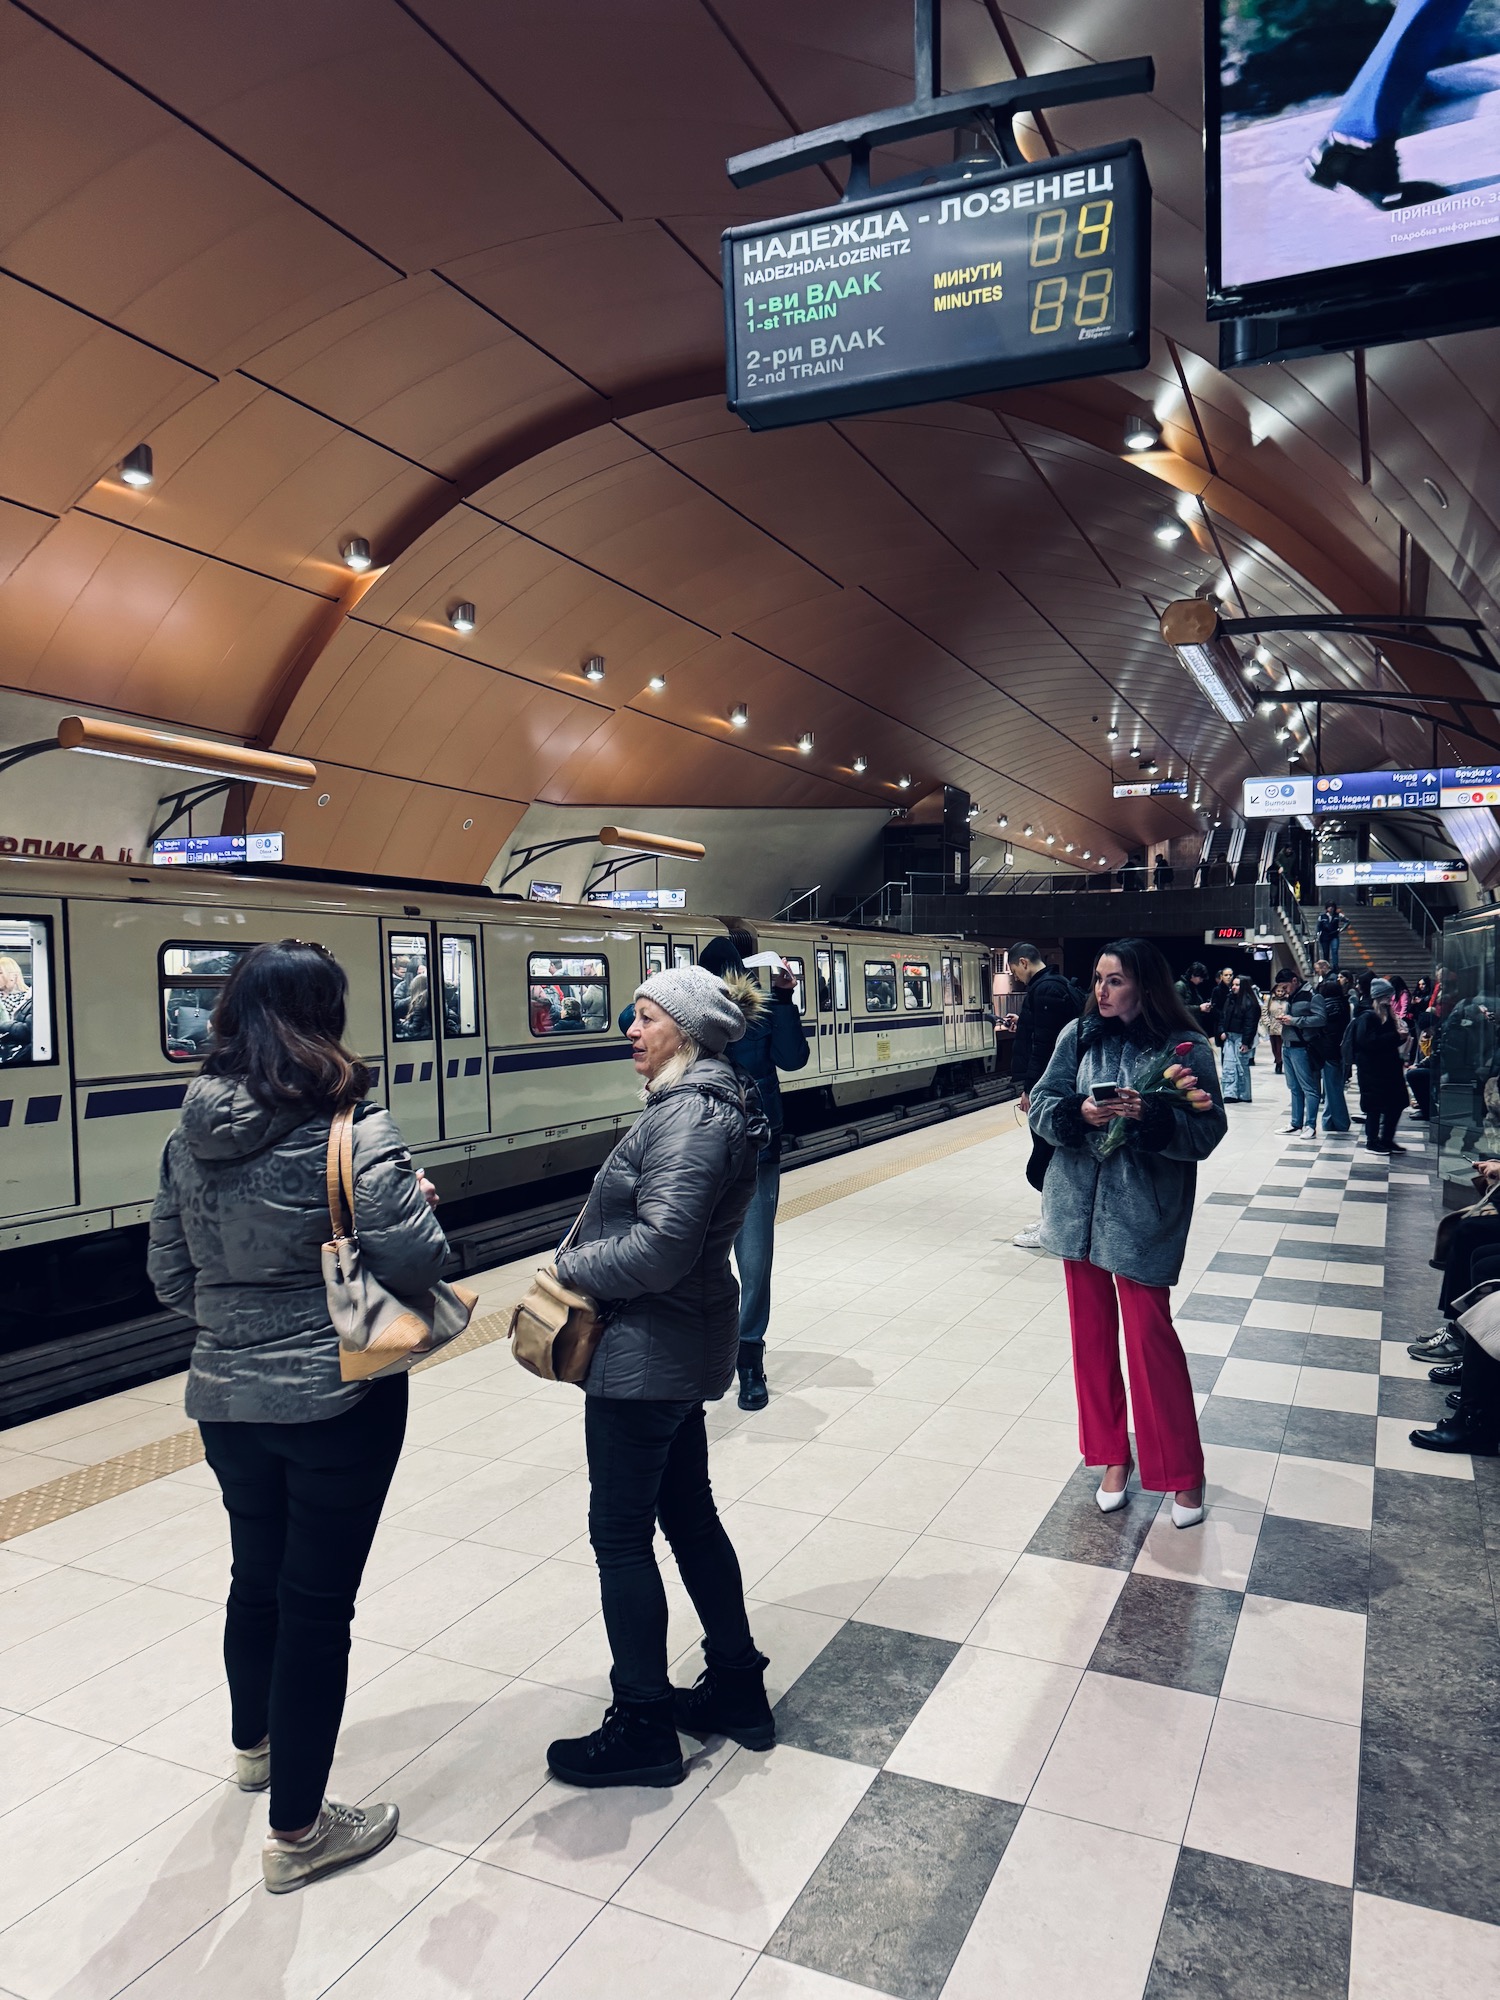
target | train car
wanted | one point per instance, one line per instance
(491, 1025)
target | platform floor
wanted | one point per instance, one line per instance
(1025, 1750)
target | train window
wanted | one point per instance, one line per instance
(654, 957)
(916, 987)
(880, 986)
(841, 981)
(192, 978)
(799, 991)
(460, 986)
(958, 982)
(26, 992)
(567, 995)
(682, 954)
(411, 991)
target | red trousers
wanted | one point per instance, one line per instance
(1168, 1448)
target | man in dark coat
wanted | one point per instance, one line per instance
(1048, 1003)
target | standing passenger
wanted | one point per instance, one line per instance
(653, 1249)
(1378, 1060)
(1239, 1024)
(774, 1039)
(1048, 1003)
(303, 1459)
(1121, 1218)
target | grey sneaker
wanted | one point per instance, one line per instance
(341, 1836)
(252, 1768)
(1444, 1345)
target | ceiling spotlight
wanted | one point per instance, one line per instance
(461, 618)
(136, 467)
(1086, 854)
(1142, 434)
(1026, 832)
(1282, 734)
(1264, 657)
(739, 715)
(1151, 767)
(657, 683)
(1068, 849)
(593, 667)
(1170, 533)
(1111, 735)
(1052, 840)
(805, 742)
(1191, 628)
(973, 812)
(356, 553)
(1004, 820)
(904, 781)
(861, 765)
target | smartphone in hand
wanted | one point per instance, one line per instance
(1105, 1093)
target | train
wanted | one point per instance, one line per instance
(491, 1026)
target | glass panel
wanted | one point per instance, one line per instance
(916, 987)
(880, 986)
(567, 995)
(824, 961)
(682, 954)
(958, 982)
(25, 993)
(460, 986)
(1469, 1093)
(411, 992)
(192, 978)
(799, 991)
(841, 981)
(655, 959)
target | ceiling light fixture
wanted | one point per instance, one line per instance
(461, 617)
(97, 738)
(1068, 849)
(805, 742)
(1086, 854)
(861, 765)
(1151, 767)
(137, 467)
(657, 683)
(1191, 628)
(1170, 533)
(1111, 735)
(1004, 820)
(593, 667)
(1142, 434)
(1052, 840)
(904, 781)
(739, 715)
(1026, 832)
(1264, 657)
(356, 553)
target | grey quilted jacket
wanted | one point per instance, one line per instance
(1129, 1213)
(236, 1233)
(653, 1245)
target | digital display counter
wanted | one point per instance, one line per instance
(1016, 275)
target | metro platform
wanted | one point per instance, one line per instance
(1024, 1749)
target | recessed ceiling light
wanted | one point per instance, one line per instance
(904, 781)
(356, 553)
(593, 667)
(739, 715)
(461, 617)
(1142, 434)
(861, 765)
(136, 467)
(805, 742)
(1170, 533)
(1111, 734)
(656, 683)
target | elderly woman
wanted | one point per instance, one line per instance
(1117, 1206)
(1379, 1042)
(653, 1248)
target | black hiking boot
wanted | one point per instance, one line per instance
(636, 1744)
(728, 1701)
(754, 1395)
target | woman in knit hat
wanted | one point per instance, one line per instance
(1379, 1041)
(652, 1249)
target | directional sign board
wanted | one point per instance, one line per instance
(1163, 788)
(1012, 276)
(1338, 874)
(215, 850)
(1471, 785)
(1373, 791)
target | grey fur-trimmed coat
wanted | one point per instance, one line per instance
(1129, 1213)
(237, 1231)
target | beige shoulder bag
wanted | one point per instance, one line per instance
(379, 1334)
(553, 1331)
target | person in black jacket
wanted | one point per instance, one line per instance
(1335, 1105)
(1048, 1003)
(1303, 1032)
(652, 1248)
(1239, 1024)
(1379, 1064)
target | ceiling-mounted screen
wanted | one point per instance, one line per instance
(1344, 139)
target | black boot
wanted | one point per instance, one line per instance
(1460, 1432)
(636, 1744)
(754, 1395)
(1371, 171)
(728, 1701)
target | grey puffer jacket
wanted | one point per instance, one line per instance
(653, 1244)
(1129, 1213)
(236, 1237)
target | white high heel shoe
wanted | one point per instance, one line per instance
(1111, 1503)
(1187, 1517)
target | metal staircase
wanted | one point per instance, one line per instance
(1380, 940)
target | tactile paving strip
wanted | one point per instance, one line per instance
(39, 1506)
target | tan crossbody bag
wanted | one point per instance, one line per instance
(379, 1334)
(554, 1331)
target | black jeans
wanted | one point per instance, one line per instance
(648, 1462)
(1380, 1127)
(304, 1501)
(1481, 1371)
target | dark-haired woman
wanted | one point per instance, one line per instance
(303, 1459)
(1120, 1216)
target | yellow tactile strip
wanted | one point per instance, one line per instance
(39, 1506)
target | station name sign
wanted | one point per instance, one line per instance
(1011, 276)
(1163, 788)
(1452, 786)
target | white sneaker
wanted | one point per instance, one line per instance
(1030, 1238)
(340, 1836)
(252, 1768)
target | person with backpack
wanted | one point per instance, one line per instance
(1049, 1002)
(1331, 1076)
(1304, 1030)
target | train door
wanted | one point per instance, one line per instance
(410, 1033)
(843, 1019)
(653, 957)
(953, 1003)
(36, 1094)
(464, 1087)
(827, 1014)
(684, 951)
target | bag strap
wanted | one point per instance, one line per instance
(339, 1172)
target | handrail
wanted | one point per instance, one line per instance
(795, 898)
(887, 899)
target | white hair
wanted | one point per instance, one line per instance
(674, 1069)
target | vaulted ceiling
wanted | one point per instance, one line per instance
(443, 274)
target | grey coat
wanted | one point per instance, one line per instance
(236, 1235)
(653, 1244)
(1130, 1213)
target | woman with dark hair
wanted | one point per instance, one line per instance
(1117, 1206)
(303, 1459)
(1379, 1042)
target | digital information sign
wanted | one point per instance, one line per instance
(1163, 788)
(1373, 791)
(1039, 273)
(215, 850)
(1339, 874)
(640, 899)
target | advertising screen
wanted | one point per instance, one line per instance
(1343, 133)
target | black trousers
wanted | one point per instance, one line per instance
(1380, 1126)
(304, 1502)
(1481, 1372)
(1475, 1242)
(648, 1463)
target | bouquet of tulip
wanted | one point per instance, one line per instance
(1168, 1075)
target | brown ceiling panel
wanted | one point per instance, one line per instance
(75, 396)
(21, 528)
(369, 122)
(109, 201)
(387, 825)
(633, 759)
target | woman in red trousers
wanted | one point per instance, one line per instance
(1117, 1205)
